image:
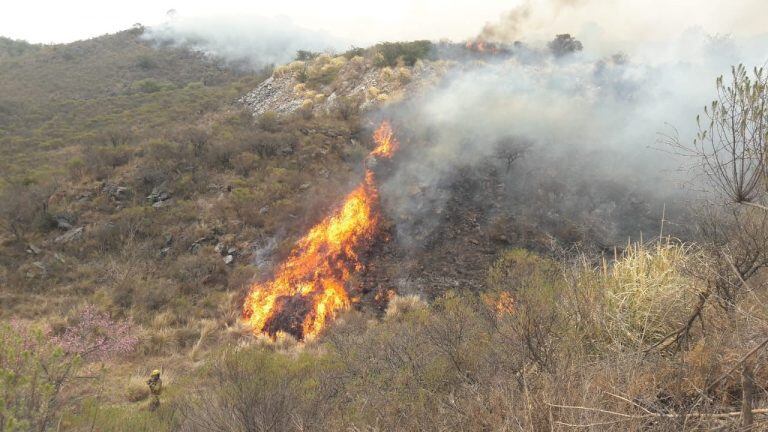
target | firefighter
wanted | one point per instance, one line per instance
(155, 387)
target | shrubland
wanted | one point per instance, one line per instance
(551, 345)
(137, 208)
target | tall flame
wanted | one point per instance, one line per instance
(308, 289)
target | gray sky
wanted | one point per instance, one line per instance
(66, 21)
(365, 22)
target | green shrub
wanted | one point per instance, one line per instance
(149, 86)
(304, 55)
(33, 372)
(146, 62)
(76, 168)
(392, 53)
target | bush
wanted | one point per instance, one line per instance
(203, 268)
(647, 292)
(33, 371)
(304, 55)
(76, 168)
(347, 107)
(244, 163)
(255, 390)
(392, 53)
(149, 86)
(269, 121)
(100, 161)
(354, 52)
(24, 207)
(146, 62)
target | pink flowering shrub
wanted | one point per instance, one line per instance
(35, 366)
(98, 337)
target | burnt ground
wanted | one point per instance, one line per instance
(489, 208)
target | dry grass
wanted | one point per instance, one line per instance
(642, 297)
(400, 306)
(136, 390)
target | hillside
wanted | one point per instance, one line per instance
(398, 269)
(54, 98)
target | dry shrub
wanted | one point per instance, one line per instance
(639, 299)
(207, 331)
(195, 271)
(254, 390)
(136, 390)
(401, 306)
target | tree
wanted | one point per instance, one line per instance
(729, 156)
(35, 366)
(24, 206)
(731, 142)
(33, 371)
(96, 336)
(564, 44)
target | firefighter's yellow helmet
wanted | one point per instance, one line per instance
(155, 373)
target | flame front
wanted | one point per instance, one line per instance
(308, 289)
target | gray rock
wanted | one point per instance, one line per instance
(32, 249)
(229, 259)
(158, 194)
(63, 222)
(69, 236)
(219, 247)
(85, 196)
(118, 193)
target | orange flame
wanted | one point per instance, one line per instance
(308, 289)
(482, 46)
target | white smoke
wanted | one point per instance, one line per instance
(591, 119)
(253, 40)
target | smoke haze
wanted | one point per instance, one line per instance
(252, 40)
(589, 118)
(588, 122)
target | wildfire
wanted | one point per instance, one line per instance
(308, 289)
(482, 46)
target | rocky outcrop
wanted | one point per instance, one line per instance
(338, 84)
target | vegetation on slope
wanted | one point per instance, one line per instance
(138, 201)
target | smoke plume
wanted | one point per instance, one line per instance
(588, 127)
(254, 41)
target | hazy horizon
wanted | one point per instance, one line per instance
(355, 23)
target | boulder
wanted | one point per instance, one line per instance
(63, 222)
(158, 194)
(70, 235)
(117, 193)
